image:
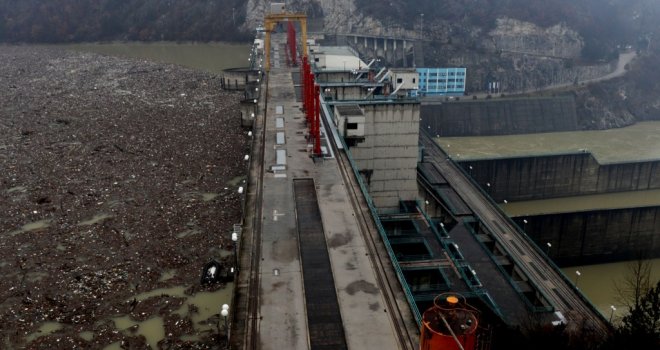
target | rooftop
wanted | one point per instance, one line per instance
(347, 110)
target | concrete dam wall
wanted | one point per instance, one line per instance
(563, 175)
(597, 236)
(499, 117)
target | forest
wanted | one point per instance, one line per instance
(602, 24)
(54, 21)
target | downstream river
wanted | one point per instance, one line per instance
(599, 283)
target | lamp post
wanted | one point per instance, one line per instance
(225, 312)
(421, 25)
(612, 312)
(234, 238)
(525, 225)
(549, 245)
(577, 278)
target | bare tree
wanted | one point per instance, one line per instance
(636, 283)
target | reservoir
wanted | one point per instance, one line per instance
(209, 57)
(178, 299)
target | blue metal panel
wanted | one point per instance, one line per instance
(441, 81)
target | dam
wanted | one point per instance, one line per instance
(593, 195)
(337, 155)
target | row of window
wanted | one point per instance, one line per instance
(430, 81)
(443, 87)
(442, 74)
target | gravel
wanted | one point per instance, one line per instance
(113, 171)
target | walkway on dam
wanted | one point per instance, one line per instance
(308, 276)
(536, 270)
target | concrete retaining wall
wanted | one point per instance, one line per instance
(238, 78)
(526, 178)
(597, 236)
(500, 117)
(389, 153)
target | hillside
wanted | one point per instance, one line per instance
(54, 21)
(525, 45)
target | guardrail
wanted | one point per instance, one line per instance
(383, 235)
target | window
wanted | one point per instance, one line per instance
(399, 80)
(316, 59)
(414, 80)
(351, 126)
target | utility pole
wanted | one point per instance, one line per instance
(421, 26)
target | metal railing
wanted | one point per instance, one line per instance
(383, 235)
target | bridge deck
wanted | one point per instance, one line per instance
(535, 275)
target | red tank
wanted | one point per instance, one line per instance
(450, 324)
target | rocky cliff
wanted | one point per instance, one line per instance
(545, 45)
(517, 36)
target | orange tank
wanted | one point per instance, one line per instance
(448, 323)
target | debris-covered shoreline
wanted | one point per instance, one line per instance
(115, 173)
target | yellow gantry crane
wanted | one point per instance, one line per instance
(271, 20)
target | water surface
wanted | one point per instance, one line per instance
(209, 57)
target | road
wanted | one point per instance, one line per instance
(624, 59)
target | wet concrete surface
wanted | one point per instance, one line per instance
(105, 162)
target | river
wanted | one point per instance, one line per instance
(599, 283)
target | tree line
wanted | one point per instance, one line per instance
(54, 21)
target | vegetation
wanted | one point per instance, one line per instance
(603, 25)
(638, 329)
(53, 21)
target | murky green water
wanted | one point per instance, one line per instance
(45, 329)
(640, 141)
(599, 284)
(630, 199)
(209, 57)
(152, 329)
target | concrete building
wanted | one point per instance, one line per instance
(378, 119)
(441, 81)
(337, 58)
